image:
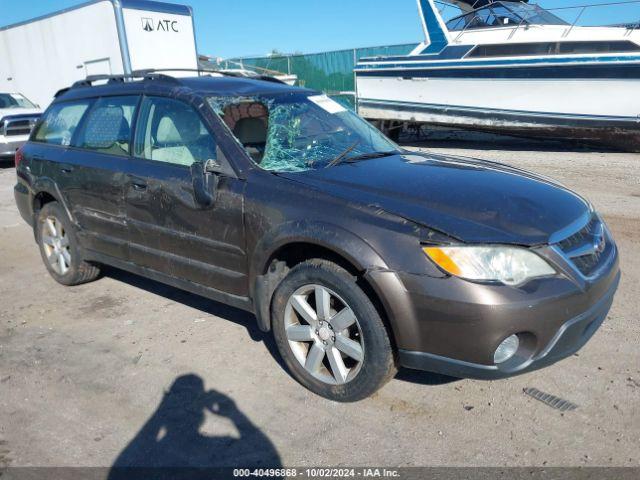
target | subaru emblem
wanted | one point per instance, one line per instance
(599, 240)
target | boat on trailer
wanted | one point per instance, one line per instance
(511, 67)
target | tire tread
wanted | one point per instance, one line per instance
(382, 363)
(82, 271)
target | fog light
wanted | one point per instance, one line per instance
(507, 349)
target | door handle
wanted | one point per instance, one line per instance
(138, 185)
(66, 168)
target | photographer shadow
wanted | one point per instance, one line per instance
(171, 445)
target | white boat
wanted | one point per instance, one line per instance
(511, 67)
(233, 67)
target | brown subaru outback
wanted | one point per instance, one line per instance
(358, 255)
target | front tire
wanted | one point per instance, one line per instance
(330, 334)
(59, 247)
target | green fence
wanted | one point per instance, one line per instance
(330, 72)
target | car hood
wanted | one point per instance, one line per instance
(472, 200)
(14, 112)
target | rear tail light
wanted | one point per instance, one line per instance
(19, 156)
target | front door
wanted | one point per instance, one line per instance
(170, 232)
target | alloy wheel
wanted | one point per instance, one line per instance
(324, 334)
(56, 245)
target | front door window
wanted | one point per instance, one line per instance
(171, 131)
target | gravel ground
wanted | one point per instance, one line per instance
(125, 369)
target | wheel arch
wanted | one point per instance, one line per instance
(40, 199)
(45, 190)
(297, 242)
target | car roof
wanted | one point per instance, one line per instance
(225, 86)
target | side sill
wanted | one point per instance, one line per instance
(243, 303)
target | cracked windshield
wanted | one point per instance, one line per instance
(294, 132)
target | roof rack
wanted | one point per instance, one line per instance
(148, 74)
(121, 78)
(154, 74)
(266, 78)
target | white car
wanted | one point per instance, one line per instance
(18, 116)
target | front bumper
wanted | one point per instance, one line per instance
(9, 145)
(569, 338)
(452, 326)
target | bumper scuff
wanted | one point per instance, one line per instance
(570, 338)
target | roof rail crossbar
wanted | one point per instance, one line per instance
(120, 78)
(194, 70)
(266, 78)
(97, 78)
(156, 74)
(150, 74)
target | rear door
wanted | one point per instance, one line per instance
(169, 231)
(91, 173)
(51, 142)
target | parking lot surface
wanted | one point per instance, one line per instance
(128, 371)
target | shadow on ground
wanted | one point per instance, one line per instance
(170, 444)
(245, 319)
(423, 378)
(205, 305)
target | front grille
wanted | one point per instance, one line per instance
(19, 125)
(588, 248)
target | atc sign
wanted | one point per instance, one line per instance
(149, 25)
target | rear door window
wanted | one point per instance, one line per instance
(60, 122)
(171, 131)
(107, 127)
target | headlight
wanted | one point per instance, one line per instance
(509, 265)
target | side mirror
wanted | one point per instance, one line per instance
(205, 182)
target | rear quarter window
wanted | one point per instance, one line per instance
(107, 126)
(60, 122)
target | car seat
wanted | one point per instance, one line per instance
(252, 133)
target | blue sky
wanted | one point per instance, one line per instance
(255, 27)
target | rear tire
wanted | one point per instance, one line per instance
(59, 247)
(338, 347)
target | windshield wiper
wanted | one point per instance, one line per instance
(368, 156)
(341, 157)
